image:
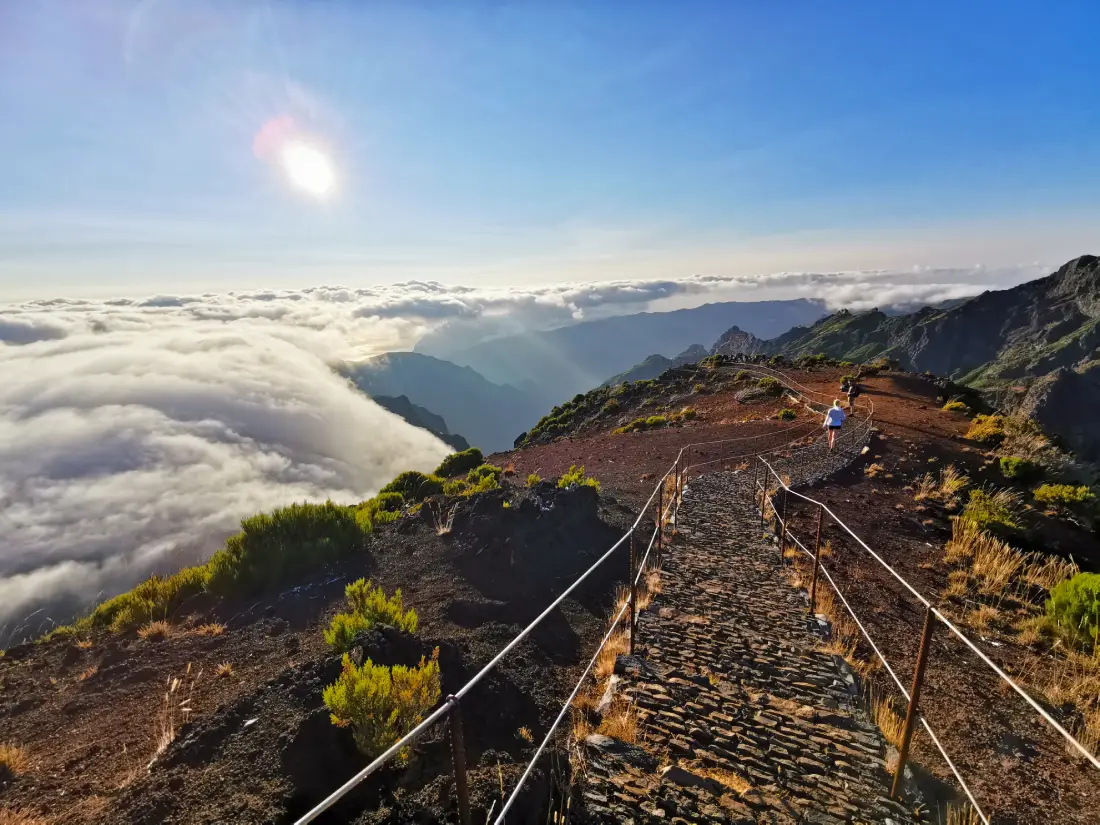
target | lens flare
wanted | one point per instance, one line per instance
(308, 168)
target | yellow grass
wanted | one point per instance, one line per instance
(621, 721)
(89, 673)
(84, 644)
(155, 630)
(1049, 572)
(888, 720)
(958, 584)
(983, 616)
(619, 643)
(525, 734)
(872, 470)
(734, 781)
(224, 670)
(13, 760)
(996, 565)
(962, 814)
(211, 629)
(18, 816)
(926, 487)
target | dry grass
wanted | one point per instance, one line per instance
(952, 483)
(618, 644)
(18, 816)
(872, 470)
(961, 814)
(159, 629)
(174, 712)
(621, 721)
(984, 616)
(525, 734)
(442, 520)
(211, 629)
(88, 674)
(958, 584)
(13, 760)
(84, 644)
(729, 779)
(509, 469)
(224, 670)
(926, 488)
(888, 720)
(1049, 572)
(996, 565)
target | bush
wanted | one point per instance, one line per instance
(987, 429)
(786, 415)
(770, 385)
(992, 509)
(655, 421)
(575, 476)
(687, 414)
(1014, 467)
(456, 487)
(382, 704)
(389, 502)
(1062, 495)
(740, 376)
(367, 607)
(1074, 609)
(288, 542)
(955, 405)
(533, 479)
(415, 485)
(610, 406)
(484, 471)
(155, 598)
(457, 464)
(699, 389)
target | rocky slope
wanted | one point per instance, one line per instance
(421, 417)
(655, 364)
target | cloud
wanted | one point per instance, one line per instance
(136, 433)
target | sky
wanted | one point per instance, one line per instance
(492, 144)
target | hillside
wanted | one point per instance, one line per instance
(421, 417)
(488, 415)
(576, 358)
(655, 364)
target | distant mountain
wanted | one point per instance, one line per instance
(654, 365)
(421, 417)
(489, 415)
(1035, 345)
(573, 359)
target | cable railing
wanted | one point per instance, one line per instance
(765, 500)
(451, 708)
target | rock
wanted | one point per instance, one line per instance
(686, 779)
(1064, 404)
(636, 667)
(622, 751)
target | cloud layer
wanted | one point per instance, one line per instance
(136, 433)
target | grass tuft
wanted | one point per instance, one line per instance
(154, 631)
(13, 760)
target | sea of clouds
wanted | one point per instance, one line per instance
(136, 433)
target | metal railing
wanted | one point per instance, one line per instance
(765, 476)
(452, 706)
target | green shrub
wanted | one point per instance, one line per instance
(687, 414)
(155, 598)
(955, 405)
(846, 364)
(699, 389)
(786, 415)
(457, 464)
(284, 544)
(1062, 495)
(367, 607)
(575, 476)
(389, 502)
(740, 376)
(770, 385)
(533, 479)
(988, 509)
(655, 421)
(1015, 467)
(456, 487)
(611, 406)
(1074, 609)
(987, 429)
(382, 704)
(415, 485)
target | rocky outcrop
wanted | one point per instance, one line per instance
(1065, 405)
(421, 417)
(736, 341)
(654, 365)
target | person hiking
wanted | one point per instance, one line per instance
(853, 394)
(834, 420)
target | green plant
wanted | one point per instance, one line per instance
(367, 607)
(533, 479)
(1074, 608)
(699, 389)
(770, 385)
(415, 485)
(381, 704)
(740, 376)
(610, 406)
(988, 509)
(955, 405)
(457, 464)
(655, 421)
(456, 487)
(786, 415)
(1014, 467)
(1062, 495)
(987, 429)
(575, 476)
(687, 414)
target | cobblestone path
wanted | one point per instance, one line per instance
(743, 718)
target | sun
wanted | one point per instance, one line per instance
(308, 168)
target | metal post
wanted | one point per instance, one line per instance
(817, 562)
(914, 698)
(633, 597)
(458, 757)
(660, 519)
(783, 522)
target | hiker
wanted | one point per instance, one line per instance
(853, 394)
(834, 420)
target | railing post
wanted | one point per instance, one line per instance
(783, 521)
(914, 698)
(817, 562)
(458, 757)
(660, 519)
(633, 596)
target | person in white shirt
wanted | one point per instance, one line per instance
(834, 420)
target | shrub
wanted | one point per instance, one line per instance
(456, 487)
(687, 414)
(153, 599)
(367, 606)
(389, 502)
(283, 544)
(1015, 467)
(1062, 495)
(484, 471)
(770, 385)
(786, 415)
(1074, 608)
(381, 704)
(414, 485)
(987, 429)
(699, 389)
(655, 421)
(992, 509)
(955, 405)
(457, 464)
(575, 476)
(740, 376)
(533, 479)
(610, 406)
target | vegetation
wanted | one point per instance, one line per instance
(955, 405)
(533, 479)
(1062, 495)
(769, 385)
(1017, 468)
(575, 477)
(946, 489)
(987, 429)
(13, 760)
(786, 414)
(381, 704)
(993, 509)
(457, 464)
(414, 485)
(1074, 609)
(367, 606)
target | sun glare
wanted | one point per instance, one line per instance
(308, 168)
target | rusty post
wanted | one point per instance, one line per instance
(633, 597)
(914, 698)
(660, 519)
(783, 522)
(458, 757)
(817, 561)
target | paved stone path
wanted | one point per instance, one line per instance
(744, 719)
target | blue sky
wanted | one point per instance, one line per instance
(493, 143)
